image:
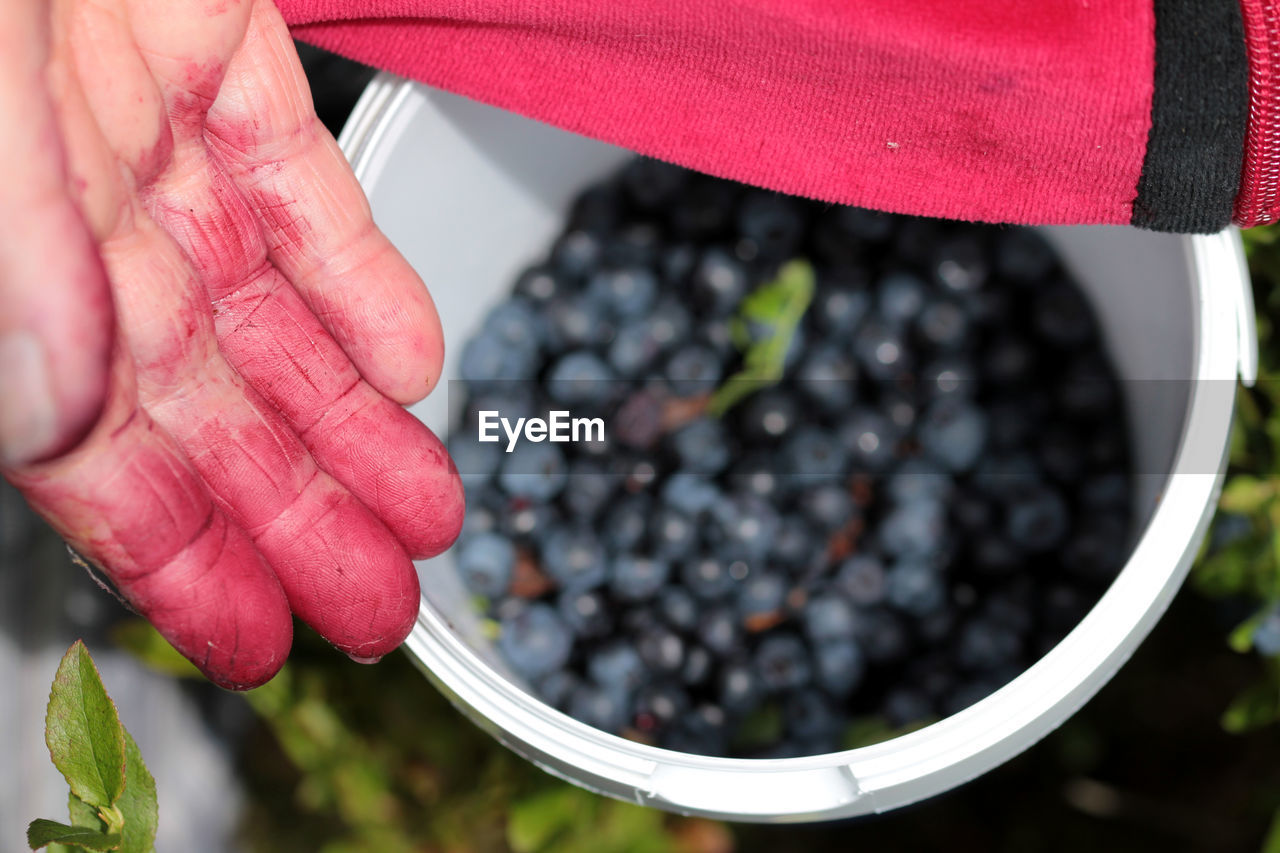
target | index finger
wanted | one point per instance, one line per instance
(318, 225)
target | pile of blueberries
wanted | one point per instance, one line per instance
(934, 491)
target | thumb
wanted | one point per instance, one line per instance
(56, 317)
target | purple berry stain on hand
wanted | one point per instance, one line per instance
(856, 466)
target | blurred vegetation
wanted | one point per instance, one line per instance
(1180, 752)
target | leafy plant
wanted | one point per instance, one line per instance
(1242, 560)
(112, 804)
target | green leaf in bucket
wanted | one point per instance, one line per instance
(83, 731)
(764, 328)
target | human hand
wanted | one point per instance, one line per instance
(205, 342)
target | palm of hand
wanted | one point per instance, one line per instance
(251, 458)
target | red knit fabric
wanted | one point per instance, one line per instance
(995, 110)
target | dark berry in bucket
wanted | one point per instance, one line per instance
(857, 467)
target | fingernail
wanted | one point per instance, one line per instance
(28, 414)
(365, 660)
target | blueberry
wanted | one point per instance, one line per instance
(870, 439)
(627, 292)
(701, 731)
(1008, 359)
(589, 488)
(960, 265)
(881, 351)
(761, 595)
(1039, 520)
(838, 666)
(486, 360)
(540, 284)
(796, 546)
(580, 377)
(556, 687)
(678, 608)
(943, 325)
(661, 649)
(708, 578)
(719, 282)
(597, 209)
(689, 493)
(758, 476)
(476, 461)
(516, 325)
(658, 706)
(586, 612)
(598, 707)
(576, 322)
(626, 523)
(915, 588)
(782, 662)
(634, 348)
(900, 298)
(533, 471)
(861, 578)
(698, 664)
(744, 526)
(839, 311)
(669, 321)
(842, 232)
(636, 245)
(577, 253)
(673, 534)
(828, 507)
(827, 618)
(769, 416)
(984, 645)
(953, 432)
(915, 530)
(1097, 547)
(574, 558)
(652, 184)
(526, 521)
(1061, 316)
(905, 706)
(882, 636)
(919, 480)
(693, 369)
(810, 714)
(826, 376)
(486, 562)
(1061, 453)
(704, 210)
(719, 632)
(773, 223)
(535, 641)
(1023, 256)
(676, 264)
(702, 447)
(637, 578)
(616, 665)
(740, 688)
(812, 454)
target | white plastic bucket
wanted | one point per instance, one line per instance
(471, 194)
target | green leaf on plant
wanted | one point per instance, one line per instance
(138, 802)
(83, 814)
(83, 731)
(1256, 707)
(1241, 637)
(536, 821)
(145, 643)
(1246, 495)
(42, 833)
(763, 329)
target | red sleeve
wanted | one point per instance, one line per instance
(1061, 111)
